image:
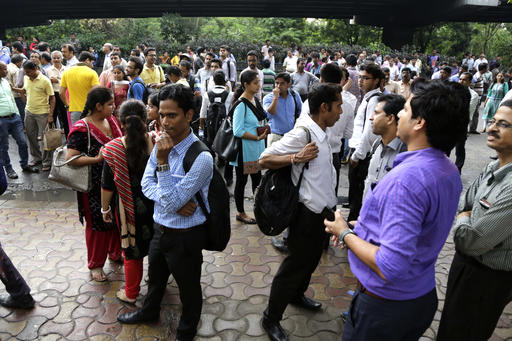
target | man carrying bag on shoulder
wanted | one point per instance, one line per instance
(316, 196)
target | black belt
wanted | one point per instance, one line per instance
(166, 229)
(8, 116)
(362, 289)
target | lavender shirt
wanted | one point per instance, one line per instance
(408, 214)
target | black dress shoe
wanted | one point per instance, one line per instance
(9, 302)
(245, 221)
(280, 244)
(307, 303)
(11, 174)
(30, 169)
(137, 316)
(474, 132)
(274, 330)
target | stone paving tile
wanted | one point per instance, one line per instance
(47, 245)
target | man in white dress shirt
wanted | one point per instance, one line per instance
(316, 194)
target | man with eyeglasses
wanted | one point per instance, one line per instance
(480, 279)
(152, 74)
(370, 77)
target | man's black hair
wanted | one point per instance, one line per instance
(345, 72)
(15, 59)
(216, 60)
(138, 63)
(173, 70)
(84, 55)
(444, 106)
(284, 76)
(225, 47)
(373, 69)
(351, 60)
(385, 69)
(482, 66)
(315, 55)
(115, 54)
(69, 47)
(30, 65)
(331, 73)
(136, 51)
(18, 46)
(149, 49)
(183, 95)
(447, 69)
(405, 69)
(186, 64)
(467, 74)
(394, 103)
(322, 93)
(301, 60)
(253, 53)
(46, 56)
(211, 54)
(219, 77)
(265, 63)
(42, 46)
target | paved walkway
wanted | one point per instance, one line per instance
(46, 242)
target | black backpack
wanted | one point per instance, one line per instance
(276, 198)
(147, 91)
(218, 220)
(297, 113)
(215, 114)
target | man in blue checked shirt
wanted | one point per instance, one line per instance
(180, 233)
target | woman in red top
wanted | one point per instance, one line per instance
(119, 87)
(102, 239)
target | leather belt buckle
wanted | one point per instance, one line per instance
(362, 289)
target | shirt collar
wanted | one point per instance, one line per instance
(369, 93)
(417, 153)
(394, 144)
(499, 173)
(183, 146)
(319, 133)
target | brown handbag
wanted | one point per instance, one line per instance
(52, 137)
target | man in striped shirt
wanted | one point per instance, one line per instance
(480, 279)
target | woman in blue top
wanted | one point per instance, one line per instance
(248, 115)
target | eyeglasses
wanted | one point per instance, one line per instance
(365, 78)
(500, 124)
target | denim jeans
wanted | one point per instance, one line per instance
(12, 126)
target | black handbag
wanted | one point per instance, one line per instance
(226, 144)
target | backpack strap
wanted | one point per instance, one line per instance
(297, 114)
(367, 104)
(133, 84)
(191, 155)
(211, 96)
(224, 96)
(306, 165)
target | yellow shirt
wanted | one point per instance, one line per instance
(78, 79)
(175, 60)
(38, 91)
(152, 76)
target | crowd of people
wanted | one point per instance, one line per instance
(394, 121)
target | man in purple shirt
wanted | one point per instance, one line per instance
(404, 222)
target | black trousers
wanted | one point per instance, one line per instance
(61, 113)
(460, 153)
(178, 253)
(336, 162)
(305, 245)
(356, 177)
(475, 298)
(12, 279)
(473, 124)
(241, 181)
(371, 318)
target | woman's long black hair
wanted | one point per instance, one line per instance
(133, 117)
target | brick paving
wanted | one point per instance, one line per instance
(47, 245)
(41, 233)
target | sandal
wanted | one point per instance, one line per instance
(121, 296)
(98, 275)
(117, 261)
(245, 221)
(46, 168)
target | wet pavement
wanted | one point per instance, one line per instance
(41, 233)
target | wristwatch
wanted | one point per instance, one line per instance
(162, 168)
(344, 234)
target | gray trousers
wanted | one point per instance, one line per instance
(35, 125)
(75, 116)
(473, 124)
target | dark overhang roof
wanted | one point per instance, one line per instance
(408, 13)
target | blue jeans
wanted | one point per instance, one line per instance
(12, 126)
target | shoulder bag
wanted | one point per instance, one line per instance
(76, 178)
